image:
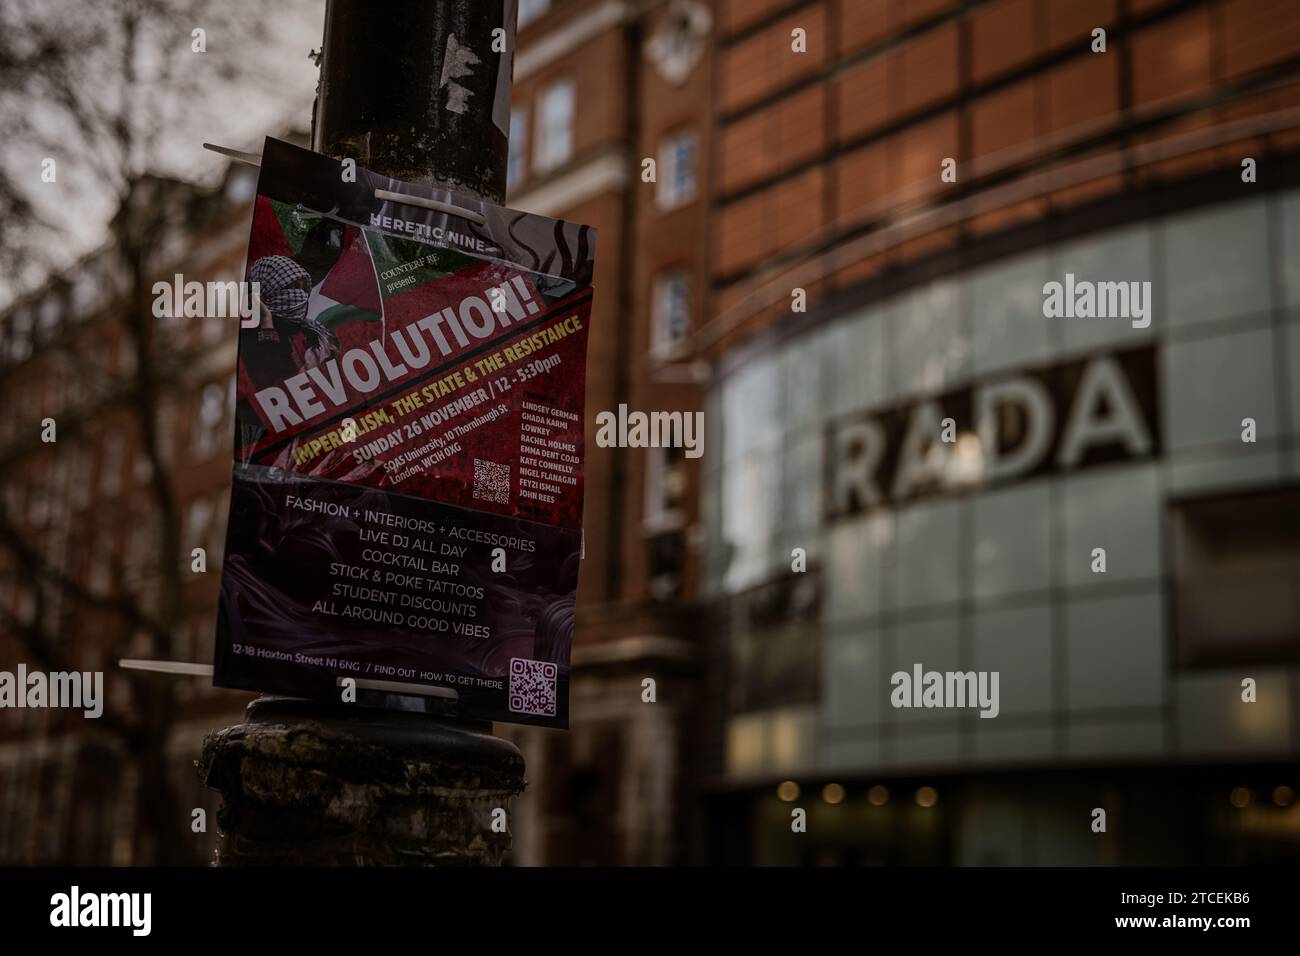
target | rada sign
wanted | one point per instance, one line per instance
(1074, 415)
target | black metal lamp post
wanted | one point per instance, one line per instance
(418, 90)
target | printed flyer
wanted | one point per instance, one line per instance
(408, 477)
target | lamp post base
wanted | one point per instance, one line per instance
(317, 784)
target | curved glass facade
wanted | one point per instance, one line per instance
(957, 570)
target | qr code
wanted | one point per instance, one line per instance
(532, 687)
(491, 481)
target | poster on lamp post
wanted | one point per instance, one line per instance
(408, 478)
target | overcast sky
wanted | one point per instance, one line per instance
(272, 91)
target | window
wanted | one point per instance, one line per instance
(530, 10)
(212, 412)
(198, 528)
(676, 173)
(670, 313)
(214, 327)
(49, 318)
(20, 347)
(1236, 579)
(665, 521)
(517, 165)
(554, 126)
(665, 487)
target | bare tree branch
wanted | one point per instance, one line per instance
(105, 86)
(35, 566)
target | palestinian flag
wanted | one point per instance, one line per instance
(335, 254)
(350, 290)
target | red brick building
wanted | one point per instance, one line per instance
(84, 503)
(818, 149)
(599, 89)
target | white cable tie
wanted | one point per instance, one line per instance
(167, 667)
(397, 687)
(433, 204)
(253, 159)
